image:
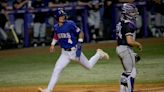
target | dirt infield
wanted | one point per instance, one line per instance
(88, 88)
(83, 88)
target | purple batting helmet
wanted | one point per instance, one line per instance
(60, 12)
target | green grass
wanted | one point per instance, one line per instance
(36, 69)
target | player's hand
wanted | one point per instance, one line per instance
(52, 48)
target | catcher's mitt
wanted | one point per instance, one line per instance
(137, 57)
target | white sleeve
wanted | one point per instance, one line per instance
(54, 41)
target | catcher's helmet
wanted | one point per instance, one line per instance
(60, 12)
(130, 11)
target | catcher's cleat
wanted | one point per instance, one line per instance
(103, 54)
(43, 90)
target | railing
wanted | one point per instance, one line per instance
(30, 11)
(84, 18)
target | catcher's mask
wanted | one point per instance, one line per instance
(129, 11)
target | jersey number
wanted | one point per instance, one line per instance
(70, 41)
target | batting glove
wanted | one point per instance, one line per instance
(78, 51)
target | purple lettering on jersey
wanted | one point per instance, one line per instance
(63, 35)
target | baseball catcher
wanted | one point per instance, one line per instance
(126, 33)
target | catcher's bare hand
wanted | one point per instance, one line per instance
(52, 48)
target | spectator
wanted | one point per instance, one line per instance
(126, 1)
(149, 7)
(39, 31)
(107, 19)
(155, 12)
(159, 17)
(94, 20)
(51, 4)
(162, 20)
(3, 21)
(19, 18)
(57, 3)
(76, 14)
(139, 19)
(73, 13)
(84, 2)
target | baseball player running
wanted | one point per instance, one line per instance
(69, 37)
(126, 31)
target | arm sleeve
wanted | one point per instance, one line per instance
(54, 33)
(55, 36)
(54, 40)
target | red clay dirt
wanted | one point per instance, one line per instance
(88, 88)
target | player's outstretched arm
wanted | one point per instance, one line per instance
(52, 48)
(54, 41)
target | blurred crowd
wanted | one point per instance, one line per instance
(101, 14)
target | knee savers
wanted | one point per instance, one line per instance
(124, 75)
(127, 81)
(123, 79)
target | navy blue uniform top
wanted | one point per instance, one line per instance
(67, 34)
(123, 29)
(39, 16)
(19, 15)
(3, 18)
